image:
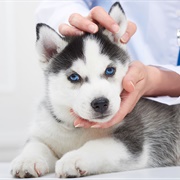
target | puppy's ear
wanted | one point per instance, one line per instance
(117, 13)
(48, 43)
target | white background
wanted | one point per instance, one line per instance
(20, 74)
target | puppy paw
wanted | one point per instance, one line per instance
(75, 164)
(29, 167)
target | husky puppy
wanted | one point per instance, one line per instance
(84, 79)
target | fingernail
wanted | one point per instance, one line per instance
(96, 126)
(115, 28)
(125, 38)
(79, 33)
(79, 125)
(92, 28)
(132, 85)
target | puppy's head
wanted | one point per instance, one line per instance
(84, 74)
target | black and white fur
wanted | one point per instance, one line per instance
(83, 78)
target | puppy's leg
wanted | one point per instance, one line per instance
(35, 160)
(98, 156)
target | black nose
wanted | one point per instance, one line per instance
(100, 104)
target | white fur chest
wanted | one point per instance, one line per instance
(60, 138)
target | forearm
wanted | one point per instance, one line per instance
(162, 82)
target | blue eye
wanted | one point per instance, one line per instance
(110, 71)
(74, 78)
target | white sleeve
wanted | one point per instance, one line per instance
(166, 100)
(171, 68)
(54, 13)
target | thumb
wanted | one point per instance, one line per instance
(134, 75)
(128, 85)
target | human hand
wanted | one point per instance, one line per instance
(135, 84)
(97, 15)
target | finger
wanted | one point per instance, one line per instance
(99, 15)
(129, 100)
(67, 30)
(133, 76)
(82, 23)
(128, 85)
(81, 123)
(130, 31)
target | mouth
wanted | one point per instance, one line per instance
(99, 118)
